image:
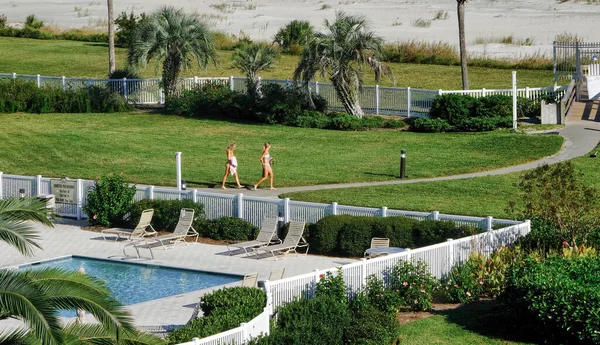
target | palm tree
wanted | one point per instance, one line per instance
(111, 38)
(346, 45)
(462, 44)
(35, 296)
(176, 39)
(251, 59)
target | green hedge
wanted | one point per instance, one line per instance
(229, 228)
(222, 310)
(24, 96)
(166, 213)
(560, 296)
(350, 235)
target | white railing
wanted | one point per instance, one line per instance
(439, 257)
(374, 99)
(251, 209)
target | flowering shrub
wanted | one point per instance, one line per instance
(465, 283)
(109, 201)
(383, 299)
(413, 283)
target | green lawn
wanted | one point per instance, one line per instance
(143, 146)
(481, 323)
(85, 59)
(482, 196)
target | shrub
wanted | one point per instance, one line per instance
(482, 124)
(465, 282)
(312, 119)
(414, 284)
(452, 107)
(126, 26)
(3, 21)
(544, 236)
(166, 213)
(528, 107)
(560, 297)
(324, 233)
(355, 237)
(108, 201)
(371, 326)
(293, 36)
(229, 228)
(332, 285)
(346, 122)
(223, 310)
(378, 296)
(493, 106)
(427, 125)
(32, 22)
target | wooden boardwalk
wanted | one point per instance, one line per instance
(584, 111)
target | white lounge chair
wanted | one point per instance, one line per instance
(250, 280)
(377, 242)
(277, 274)
(183, 229)
(267, 235)
(143, 228)
(292, 241)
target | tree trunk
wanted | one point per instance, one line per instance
(170, 75)
(311, 103)
(462, 44)
(111, 38)
(349, 98)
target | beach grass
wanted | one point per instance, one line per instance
(142, 146)
(481, 196)
(90, 60)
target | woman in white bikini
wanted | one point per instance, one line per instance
(266, 161)
(231, 166)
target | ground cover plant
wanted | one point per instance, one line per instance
(88, 60)
(142, 146)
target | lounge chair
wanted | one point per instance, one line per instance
(266, 236)
(143, 228)
(183, 229)
(277, 274)
(292, 241)
(250, 280)
(377, 242)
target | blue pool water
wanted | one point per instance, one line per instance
(135, 283)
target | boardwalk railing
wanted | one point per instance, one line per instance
(373, 99)
(249, 208)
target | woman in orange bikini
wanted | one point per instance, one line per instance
(231, 166)
(266, 161)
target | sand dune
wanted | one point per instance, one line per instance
(486, 20)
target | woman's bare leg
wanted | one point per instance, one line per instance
(271, 181)
(265, 175)
(225, 176)
(237, 180)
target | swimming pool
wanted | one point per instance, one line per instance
(133, 283)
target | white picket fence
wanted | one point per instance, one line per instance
(251, 209)
(373, 99)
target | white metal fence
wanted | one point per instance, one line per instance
(251, 209)
(374, 99)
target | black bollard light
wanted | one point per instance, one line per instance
(402, 163)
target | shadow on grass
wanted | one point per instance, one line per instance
(492, 319)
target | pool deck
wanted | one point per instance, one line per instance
(67, 238)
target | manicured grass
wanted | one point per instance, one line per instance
(481, 323)
(482, 196)
(84, 59)
(142, 146)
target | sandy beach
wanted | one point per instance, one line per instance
(538, 21)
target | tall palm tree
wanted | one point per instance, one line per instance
(462, 44)
(251, 59)
(35, 297)
(346, 45)
(111, 38)
(176, 39)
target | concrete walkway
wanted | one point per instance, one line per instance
(581, 134)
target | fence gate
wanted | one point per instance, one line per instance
(572, 60)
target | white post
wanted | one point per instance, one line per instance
(334, 206)
(195, 195)
(38, 184)
(435, 215)
(527, 92)
(63, 83)
(267, 288)
(231, 83)
(150, 192)
(316, 279)
(483, 92)
(363, 272)
(439, 92)
(14, 75)
(286, 210)
(125, 88)
(259, 84)
(240, 206)
(316, 87)
(376, 99)
(178, 169)
(196, 80)
(450, 254)
(244, 327)
(383, 212)
(408, 101)
(160, 92)
(1, 189)
(196, 341)
(37, 80)
(79, 198)
(514, 94)
(90, 82)
(488, 223)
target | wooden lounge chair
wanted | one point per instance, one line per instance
(183, 229)
(292, 241)
(143, 228)
(377, 242)
(266, 236)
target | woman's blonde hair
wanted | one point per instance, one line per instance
(267, 144)
(231, 146)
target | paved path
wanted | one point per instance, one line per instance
(581, 134)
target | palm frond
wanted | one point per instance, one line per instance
(18, 337)
(94, 334)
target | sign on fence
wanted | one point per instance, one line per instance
(64, 191)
